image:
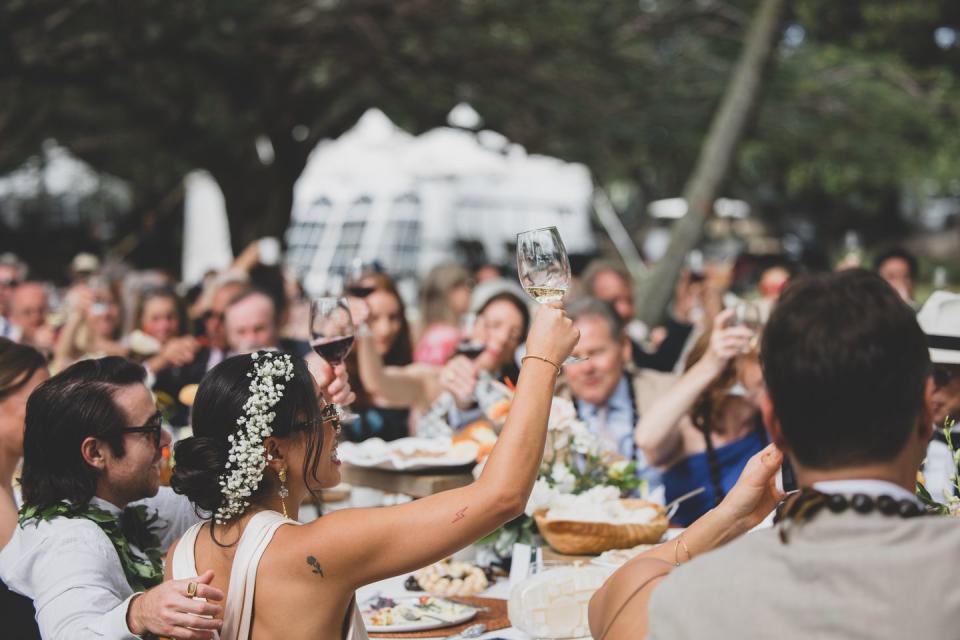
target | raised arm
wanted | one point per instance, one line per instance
(408, 386)
(619, 609)
(658, 434)
(413, 535)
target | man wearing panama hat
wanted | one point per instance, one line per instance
(940, 320)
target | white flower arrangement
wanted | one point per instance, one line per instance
(247, 457)
(572, 464)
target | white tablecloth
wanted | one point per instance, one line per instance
(393, 588)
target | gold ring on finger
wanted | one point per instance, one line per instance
(191, 589)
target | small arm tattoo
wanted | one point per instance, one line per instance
(460, 515)
(316, 565)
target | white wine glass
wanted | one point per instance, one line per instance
(332, 334)
(544, 267)
(746, 314)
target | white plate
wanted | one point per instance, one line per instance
(408, 454)
(424, 624)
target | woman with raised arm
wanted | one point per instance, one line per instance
(706, 427)
(262, 443)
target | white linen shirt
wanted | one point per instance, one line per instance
(71, 571)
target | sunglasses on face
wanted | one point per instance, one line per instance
(152, 429)
(942, 376)
(211, 315)
(329, 413)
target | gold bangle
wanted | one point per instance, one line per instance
(549, 362)
(676, 551)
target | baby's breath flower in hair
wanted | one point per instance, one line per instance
(247, 458)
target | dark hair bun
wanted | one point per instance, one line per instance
(198, 465)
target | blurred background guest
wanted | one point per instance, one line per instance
(12, 273)
(22, 369)
(252, 323)
(386, 325)
(486, 355)
(704, 429)
(92, 327)
(607, 281)
(940, 320)
(899, 268)
(28, 314)
(444, 298)
(160, 336)
(608, 390)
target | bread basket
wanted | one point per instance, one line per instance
(582, 538)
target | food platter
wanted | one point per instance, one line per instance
(414, 614)
(408, 454)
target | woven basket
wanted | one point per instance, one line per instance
(582, 538)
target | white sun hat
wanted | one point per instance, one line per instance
(940, 320)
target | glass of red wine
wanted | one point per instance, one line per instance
(356, 283)
(332, 334)
(469, 345)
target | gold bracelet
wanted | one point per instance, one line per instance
(676, 551)
(549, 362)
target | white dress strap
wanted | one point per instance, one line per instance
(238, 614)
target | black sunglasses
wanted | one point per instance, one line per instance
(329, 413)
(152, 429)
(942, 376)
(210, 315)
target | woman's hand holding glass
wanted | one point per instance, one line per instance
(727, 341)
(552, 335)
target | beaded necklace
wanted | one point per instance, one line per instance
(803, 505)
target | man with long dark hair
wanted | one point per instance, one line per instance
(87, 557)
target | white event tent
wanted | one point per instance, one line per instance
(379, 193)
(407, 201)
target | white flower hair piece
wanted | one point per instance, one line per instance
(247, 457)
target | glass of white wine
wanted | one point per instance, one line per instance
(543, 267)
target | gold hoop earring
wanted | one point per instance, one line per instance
(284, 492)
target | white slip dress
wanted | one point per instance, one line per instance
(238, 610)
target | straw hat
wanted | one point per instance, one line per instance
(940, 320)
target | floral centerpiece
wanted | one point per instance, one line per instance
(951, 504)
(572, 464)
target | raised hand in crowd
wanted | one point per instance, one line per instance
(176, 352)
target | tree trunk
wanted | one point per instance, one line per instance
(259, 198)
(716, 158)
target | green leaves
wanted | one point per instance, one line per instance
(141, 572)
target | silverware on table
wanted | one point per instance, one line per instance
(672, 506)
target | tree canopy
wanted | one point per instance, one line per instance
(860, 103)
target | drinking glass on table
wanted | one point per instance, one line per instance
(543, 267)
(332, 334)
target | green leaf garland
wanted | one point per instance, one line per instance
(141, 573)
